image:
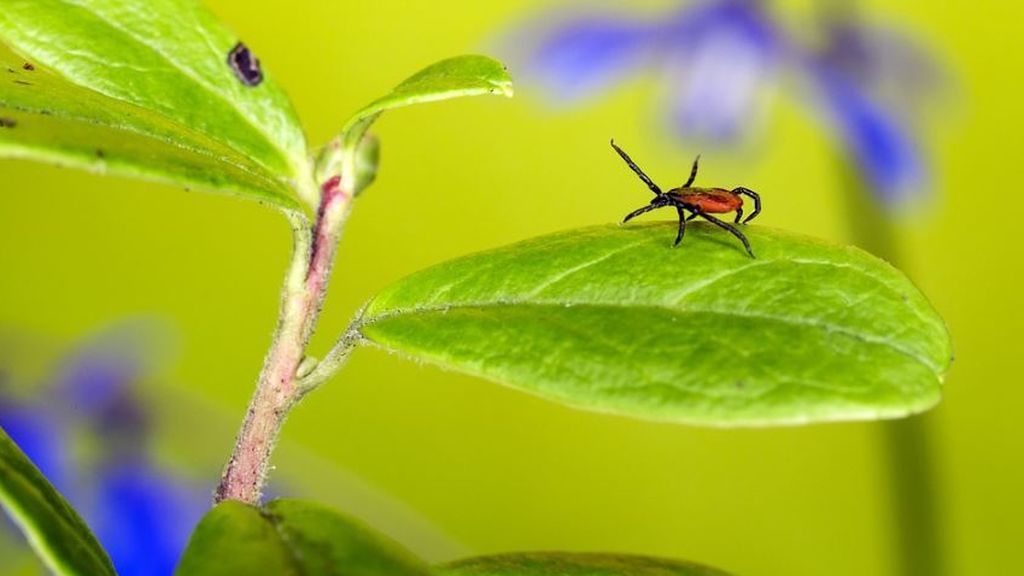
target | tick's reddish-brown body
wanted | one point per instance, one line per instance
(710, 200)
(701, 202)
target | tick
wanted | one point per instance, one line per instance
(245, 65)
(701, 202)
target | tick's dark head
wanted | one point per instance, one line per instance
(659, 201)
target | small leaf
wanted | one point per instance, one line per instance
(615, 319)
(569, 564)
(471, 75)
(145, 90)
(291, 537)
(53, 528)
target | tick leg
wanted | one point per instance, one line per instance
(682, 225)
(693, 172)
(638, 212)
(739, 214)
(757, 202)
(629, 161)
(692, 216)
(731, 229)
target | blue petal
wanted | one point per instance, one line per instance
(93, 380)
(725, 55)
(40, 437)
(581, 57)
(143, 518)
(887, 62)
(722, 88)
(882, 147)
(694, 24)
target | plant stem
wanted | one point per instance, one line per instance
(334, 359)
(909, 448)
(277, 390)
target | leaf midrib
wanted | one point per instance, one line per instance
(825, 326)
(294, 558)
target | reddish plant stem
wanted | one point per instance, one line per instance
(334, 204)
(276, 390)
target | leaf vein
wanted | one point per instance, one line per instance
(793, 321)
(579, 268)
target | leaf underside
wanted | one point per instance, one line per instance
(291, 537)
(615, 319)
(573, 564)
(470, 75)
(143, 90)
(53, 528)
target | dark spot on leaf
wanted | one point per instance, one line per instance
(740, 384)
(10, 70)
(8, 122)
(245, 65)
(100, 153)
(22, 82)
(28, 66)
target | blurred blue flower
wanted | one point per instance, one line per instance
(721, 62)
(39, 436)
(141, 512)
(145, 516)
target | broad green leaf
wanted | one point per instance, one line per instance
(614, 319)
(570, 564)
(145, 89)
(53, 528)
(290, 537)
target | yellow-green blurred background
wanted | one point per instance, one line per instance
(495, 470)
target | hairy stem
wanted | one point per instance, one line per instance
(277, 388)
(907, 444)
(334, 359)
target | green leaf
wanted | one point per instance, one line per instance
(614, 319)
(568, 564)
(146, 90)
(470, 75)
(290, 537)
(53, 528)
